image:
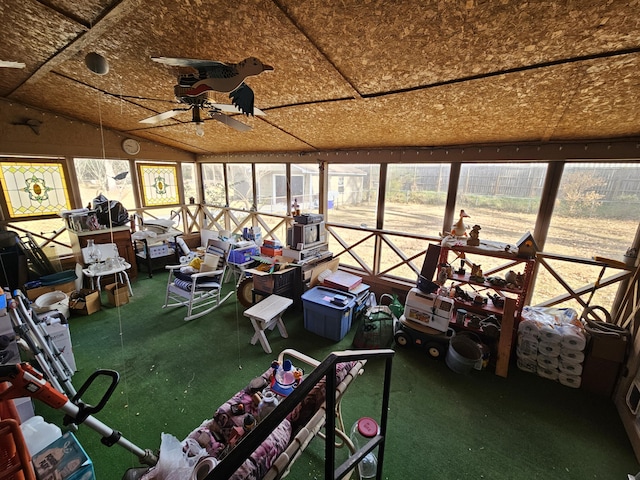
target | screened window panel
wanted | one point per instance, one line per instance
(240, 186)
(416, 195)
(189, 181)
(502, 198)
(270, 180)
(353, 194)
(596, 212)
(213, 183)
(104, 176)
(305, 186)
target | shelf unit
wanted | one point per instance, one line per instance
(483, 287)
(514, 298)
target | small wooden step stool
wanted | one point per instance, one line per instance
(267, 314)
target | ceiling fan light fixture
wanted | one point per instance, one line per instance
(96, 63)
(199, 129)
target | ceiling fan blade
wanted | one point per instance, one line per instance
(7, 64)
(187, 62)
(230, 122)
(226, 108)
(162, 116)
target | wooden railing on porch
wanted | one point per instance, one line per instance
(363, 254)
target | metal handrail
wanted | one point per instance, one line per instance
(326, 369)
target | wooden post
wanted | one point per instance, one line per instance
(506, 337)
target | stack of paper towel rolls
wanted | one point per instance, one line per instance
(551, 345)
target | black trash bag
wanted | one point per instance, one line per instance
(110, 213)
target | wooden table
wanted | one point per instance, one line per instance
(267, 314)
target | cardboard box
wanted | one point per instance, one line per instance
(33, 293)
(63, 459)
(61, 338)
(117, 293)
(85, 302)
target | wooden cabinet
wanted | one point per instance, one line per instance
(474, 293)
(121, 236)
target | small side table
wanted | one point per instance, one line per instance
(120, 272)
(267, 314)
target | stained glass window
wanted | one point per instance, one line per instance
(159, 184)
(34, 189)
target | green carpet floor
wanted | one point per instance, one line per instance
(442, 425)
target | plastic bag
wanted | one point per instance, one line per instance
(177, 461)
(110, 212)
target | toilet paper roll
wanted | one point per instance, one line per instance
(550, 333)
(573, 337)
(568, 380)
(548, 373)
(529, 327)
(203, 468)
(548, 362)
(527, 355)
(569, 367)
(549, 349)
(528, 344)
(527, 365)
(575, 356)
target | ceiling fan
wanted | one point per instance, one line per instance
(199, 105)
(198, 79)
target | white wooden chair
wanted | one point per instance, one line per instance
(200, 292)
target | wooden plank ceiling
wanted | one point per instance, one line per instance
(354, 74)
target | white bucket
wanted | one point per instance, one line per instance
(463, 354)
(52, 301)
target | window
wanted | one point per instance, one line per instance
(414, 202)
(189, 181)
(213, 184)
(240, 186)
(34, 188)
(416, 195)
(159, 184)
(595, 214)
(107, 177)
(353, 194)
(272, 183)
(503, 198)
(305, 186)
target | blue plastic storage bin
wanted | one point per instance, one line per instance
(325, 318)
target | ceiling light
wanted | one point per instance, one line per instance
(199, 129)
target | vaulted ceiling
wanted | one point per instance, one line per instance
(349, 74)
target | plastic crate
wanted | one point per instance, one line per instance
(325, 318)
(276, 282)
(242, 255)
